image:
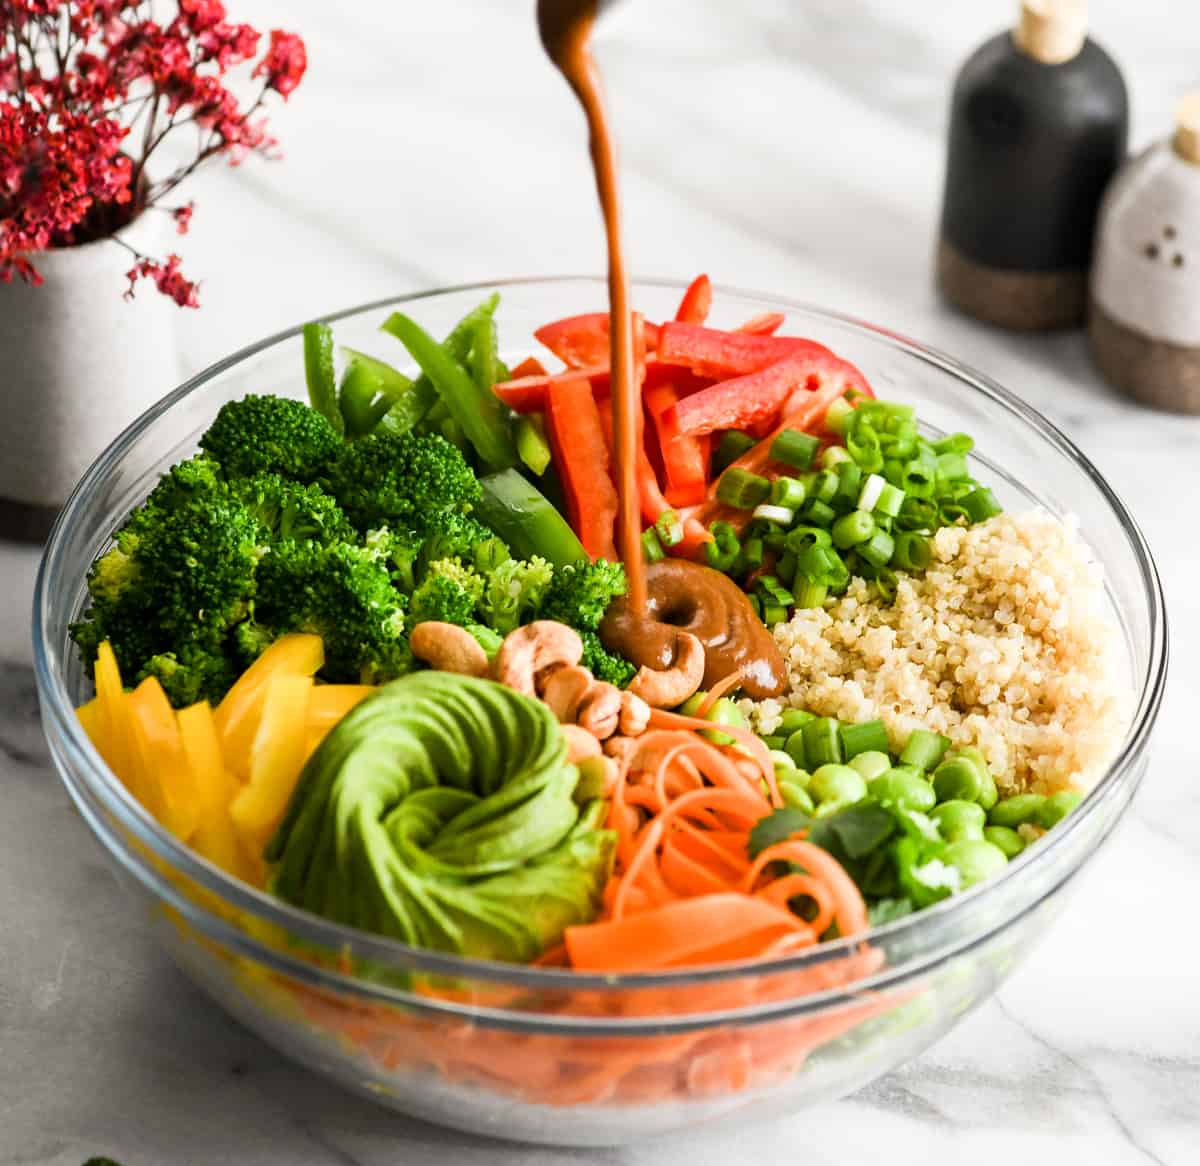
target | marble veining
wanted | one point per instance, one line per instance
(791, 147)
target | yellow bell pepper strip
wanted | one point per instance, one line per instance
(238, 714)
(276, 758)
(114, 716)
(161, 760)
(91, 717)
(328, 703)
(214, 788)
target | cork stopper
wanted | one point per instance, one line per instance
(1052, 31)
(1187, 129)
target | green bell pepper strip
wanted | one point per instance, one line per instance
(319, 374)
(400, 402)
(533, 446)
(525, 519)
(478, 411)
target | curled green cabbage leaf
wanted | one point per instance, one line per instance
(441, 812)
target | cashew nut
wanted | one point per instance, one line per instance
(580, 744)
(600, 710)
(446, 647)
(563, 691)
(635, 715)
(533, 648)
(664, 690)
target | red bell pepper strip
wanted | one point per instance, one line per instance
(527, 394)
(529, 367)
(684, 463)
(582, 459)
(583, 341)
(756, 399)
(721, 355)
(696, 302)
(765, 325)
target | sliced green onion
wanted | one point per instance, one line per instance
(733, 444)
(780, 515)
(824, 486)
(786, 567)
(924, 749)
(862, 444)
(877, 550)
(885, 584)
(838, 416)
(954, 443)
(773, 613)
(651, 547)
(788, 492)
(799, 538)
(950, 513)
(756, 604)
(919, 476)
(951, 466)
(750, 557)
(742, 490)
(852, 529)
(819, 513)
(890, 500)
(917, 514)
(981, 504)
(822, 743)
(872, 491)
(791, 447)
(850, 478)
(867, 737)
(833, 456)
(725, 547)
(913, 552)
(669, 528)
(769, 587)
(901, 440)
(809, 593)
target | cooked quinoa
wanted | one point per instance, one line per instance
(1004, 643)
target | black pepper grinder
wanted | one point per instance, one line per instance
(1038, 126)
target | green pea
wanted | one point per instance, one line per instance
(792, 721)
(957, 820)
(963, 777)
(1057, 807)
(975, 860)
(871, 764)
(1017, 810)
(836, 786)
(904, 789)
(723, 712)
(796, 796)
(1004, 839)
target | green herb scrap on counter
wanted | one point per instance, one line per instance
(387, 502)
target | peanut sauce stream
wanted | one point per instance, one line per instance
(685, 596)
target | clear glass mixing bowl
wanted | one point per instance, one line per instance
(546, 1055)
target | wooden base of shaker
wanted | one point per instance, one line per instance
(1156, 372)
(25, 522)
(1023, 301)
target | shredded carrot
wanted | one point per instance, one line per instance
(718, 690)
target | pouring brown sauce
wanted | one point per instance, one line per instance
(673, 596)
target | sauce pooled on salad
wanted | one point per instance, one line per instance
(683, 596)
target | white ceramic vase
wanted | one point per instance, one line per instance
(78, 362)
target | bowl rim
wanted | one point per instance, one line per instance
(59, 713)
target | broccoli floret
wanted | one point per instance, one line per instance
(390, 480)
(513, 593)
(451, 534)
(265, 434)
(449, 592)
(579, 593)
(196, 672)
(399, 551)
(342, 593)
(603, 664)
(290, 510)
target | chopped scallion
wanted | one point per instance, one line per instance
(741, 489)
(792, 447)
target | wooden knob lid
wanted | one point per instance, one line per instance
(1052, 31)
(1187, 129)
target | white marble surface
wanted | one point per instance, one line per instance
(790, 146)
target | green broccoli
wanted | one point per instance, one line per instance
(342, 593)
(399, 550)
(193, 673)
(449, 592)
(513, 593)
(290, 510)
(452, 534)
(265, 434)
(389, 480)
(580, 593)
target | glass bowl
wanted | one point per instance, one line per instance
(547, 1055)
